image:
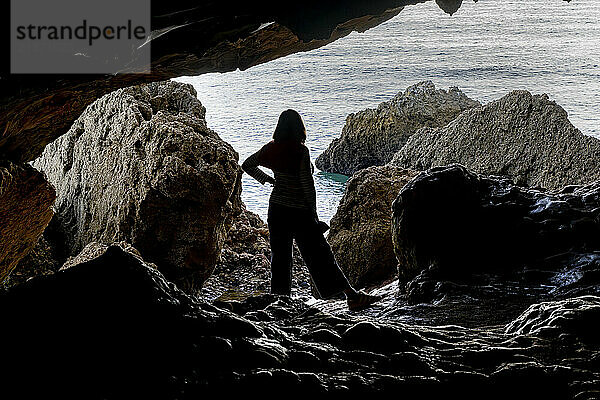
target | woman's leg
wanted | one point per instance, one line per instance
(280, 238)
(316, 253)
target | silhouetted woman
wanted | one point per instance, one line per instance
(293, 214)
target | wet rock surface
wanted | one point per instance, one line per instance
(523, 136)
(464, 239)
(360, 234)
(120, 329)
(140, 165)
(372, 137)
(25, 210)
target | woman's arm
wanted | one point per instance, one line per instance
(250, 166)
(307, 183)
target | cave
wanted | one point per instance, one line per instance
(135, 263)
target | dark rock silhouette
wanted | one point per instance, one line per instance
(140, 165)
(523, 136)
(120, 330)
(457, 219)
(372, 137)
(360, 234)
(457, 233)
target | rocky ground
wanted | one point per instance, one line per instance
(139, 335)
(371, 137)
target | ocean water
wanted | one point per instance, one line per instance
(486, 49)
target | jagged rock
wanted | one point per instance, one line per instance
(523, 136)
(113, 321)
(41, 260)
(141, 166)
(576, 317)
(120, 329)
(26, 200)
(372, 137)
(360, 234)
(462, 222)
(94, 250)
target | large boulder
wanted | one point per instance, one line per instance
(360, 234)
(118, 327)
(523, 136)
(372, 137)
(462, 222)
(140, 165)
(26, 200)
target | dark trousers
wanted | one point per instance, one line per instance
(288, 223)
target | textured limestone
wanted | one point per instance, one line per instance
(141, 166)
(25, 210)
(41, 260)
(372, 137)
(523, 136)
(360, 234)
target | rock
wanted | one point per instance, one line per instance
(462, 222)
(576, 317)
(94, 250)
(523, 136)
(372, 137)
(120, 329)
(360, 234)
(141, 166)
(449, 6)
(26, 200)
(41, 260)
(114, 322)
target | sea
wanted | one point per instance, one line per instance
(487, 49)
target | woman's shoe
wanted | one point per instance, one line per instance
(362, 300)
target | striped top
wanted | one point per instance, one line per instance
(293, 184)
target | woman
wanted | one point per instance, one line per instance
(293, 214)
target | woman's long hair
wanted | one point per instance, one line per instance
(290, 128)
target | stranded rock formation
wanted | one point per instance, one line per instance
(526, 137)
(360, 234)
(372, 137)
(141, 166)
